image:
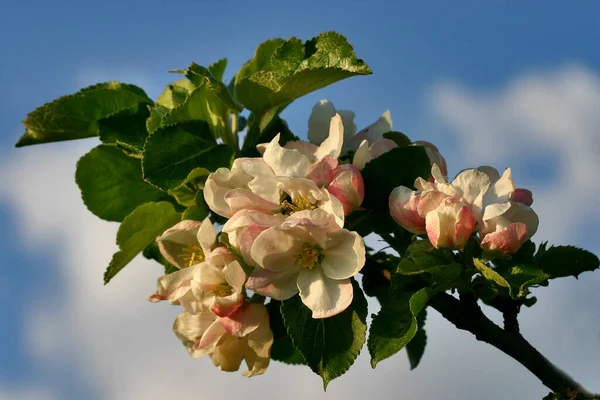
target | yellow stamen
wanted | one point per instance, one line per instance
(299, 204)
(309, 256)
(223, 290)
(192, 254)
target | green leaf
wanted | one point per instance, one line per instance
(416, 347)
(489, 273)
(562, 261)
(281, 72)
(175, 94)
(217, 69)
(421, 257)
(138, 230)
(111, 183)
(76, 116)
(199, 211)
(400, 138)
(152, 252)
(329, 345)
(521, 277)
(172, 152)
(215, 89)
(282, 350)
(399, 166)
(185, 194)
(125, 129)
(396, 324)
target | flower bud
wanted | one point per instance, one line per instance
(347, 186)
(450, 225)
(523, 196)
(506, 226)
(404, 204)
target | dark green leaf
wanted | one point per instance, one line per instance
(422, 257)
(76, 116)
(185, 194)
(416, 347)
(111, 183)
(564, 261)
(138, 230)
(172, 152)
(283, 350)
(328, 345)
(199, 211)
(396, 324)
(399, 166)
(400, 138)
(281, 72)
(125, 129)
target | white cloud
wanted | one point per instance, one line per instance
(26, 394)
(122, 346)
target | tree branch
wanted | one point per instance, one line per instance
(465, 314)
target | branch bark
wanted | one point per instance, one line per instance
(465, 314)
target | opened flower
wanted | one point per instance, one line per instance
(188, 242)
(308, 253)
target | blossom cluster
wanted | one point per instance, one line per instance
(285, 235)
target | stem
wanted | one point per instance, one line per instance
(465, 314)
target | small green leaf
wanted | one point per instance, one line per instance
(217, 69)
(185, 194)
(421, 257)
(416, 347)
(283, 350)
(329, 345)
(138, 230)
(76, 116)
(281, 72)
(111, 183)
(152, 252)
(562, 261)
(175, 94)
(489, 273)
(399, 166)
(172, 152)
(396, 324)
(199, 211)
(400, 138)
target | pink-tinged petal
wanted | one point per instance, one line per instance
(227, 305)
(523, 196)
(235, 275)
(429, 201)
(246, 240)
(344, 255)
(173, 242)
(189, 329)
(242, 199)
(507, 240)
(319, 121)
(323, 296)
(471, 184)
(347, 186)
(495, 210)
(464, 227)
(277, 285)
(209, 277)
(285, 162)
(332, 146)
(211, 336)
(301, 188)
(173, 286)
(320, 172)
(207, 236)
(277, 248)
(333, 207)
(438, 175)
(433, 225)
(245, 320)
(403, 203)
(220, 182)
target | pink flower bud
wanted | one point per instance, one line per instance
(450, 225)
(347, 186)
(506, 226)
(523, 196)
(404, 205)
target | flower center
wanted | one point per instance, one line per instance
(223, 290)
(192, 254)
(309, 256)
(299, 204)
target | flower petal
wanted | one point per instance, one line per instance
(344, 256)
(332, 146)
(319, 121)
(277, 248)
(323, 296)
(285, 162)
(190, 328)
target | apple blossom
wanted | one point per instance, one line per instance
(311, 254)
(347, 186)
(450, 225)
(319, 122)
(244, 335)
(506, 226)
(188, 242)
(404, 208)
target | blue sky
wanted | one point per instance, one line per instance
(499, 82)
